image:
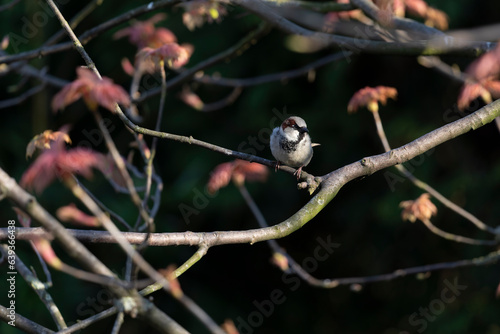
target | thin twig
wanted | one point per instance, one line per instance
(332, 183)
(104, 207)
(75, 21)
(134, 302)
(280, 76)
(81, 324)
(383, 18)
(118, 323)
(228, 100)
(22, 97)
(116, 233)
(107, 137)
(426, 187)
(23, 323)
(89, 34)
(439, 44)
(328, 6)
(202, 250)
(457, 238)
(39, 288)
(9, 5)
(478, 261)
(237, 49)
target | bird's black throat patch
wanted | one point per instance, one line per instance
(291, 145)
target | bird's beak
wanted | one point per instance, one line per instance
(303, 129)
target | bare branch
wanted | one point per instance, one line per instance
(435, 46)
(89, 34)
(23, 323)
(39, 288)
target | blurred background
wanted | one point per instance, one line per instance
(235, 281)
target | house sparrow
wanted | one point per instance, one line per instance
(291, 145)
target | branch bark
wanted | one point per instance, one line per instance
(331, 185)
(439, 44)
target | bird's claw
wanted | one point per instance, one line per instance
(298, 172)
(276, 166)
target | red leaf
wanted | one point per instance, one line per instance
(220, 177)
(128, 67)
(59, 163)
(145, 34)
(238, 171)
(485, 67)
(191, 99)
(201, 11)
(370, 96)
(45, 249)
(173, 54)
(70, 213)
(470, 92)
(95, 91)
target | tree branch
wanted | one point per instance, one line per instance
(89, 34)
(331, 185)
(435, 46)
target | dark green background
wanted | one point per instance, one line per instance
(364, 218)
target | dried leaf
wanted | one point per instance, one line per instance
(422, 209)
(44, 140)
(280, 261)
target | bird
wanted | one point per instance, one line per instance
(291, 144)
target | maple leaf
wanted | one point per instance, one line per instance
(145, 34)
(93, 90)
(173, 54)
(369, 97)
(485, 67)
(44, 140)
(422, 208)
(482, 79)
(238, 171)
(432, 17)
(471, 91)
(57, 162)
(201, 11)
